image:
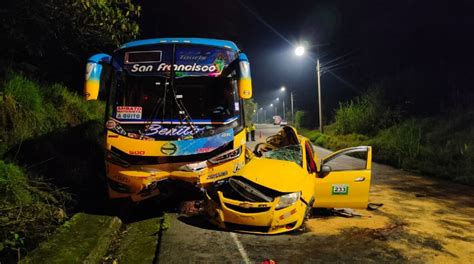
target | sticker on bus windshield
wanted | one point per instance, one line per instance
(129, 112)
(236, 106)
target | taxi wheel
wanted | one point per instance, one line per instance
(309, 209)
(302, 228)
(307, 215)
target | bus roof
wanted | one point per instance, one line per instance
(202, 41)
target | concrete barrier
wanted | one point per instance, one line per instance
(83, 239)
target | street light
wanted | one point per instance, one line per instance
(299, 51)
(283, 90)
(283, 106)
(271, 105)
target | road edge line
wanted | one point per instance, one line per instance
(241, 248)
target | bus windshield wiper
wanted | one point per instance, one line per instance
(154, 113)
(183, 112)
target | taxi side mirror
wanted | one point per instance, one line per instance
(325, 169)
(323, 172)
(245, 80)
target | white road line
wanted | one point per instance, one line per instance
(241, 248)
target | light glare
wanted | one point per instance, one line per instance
(299, 51)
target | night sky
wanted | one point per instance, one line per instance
(374, 40)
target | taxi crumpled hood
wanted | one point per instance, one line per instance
(279, 175)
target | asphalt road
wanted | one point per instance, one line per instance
(422, 221)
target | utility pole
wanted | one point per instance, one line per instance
(284, 115)
(318, 71)
(299, 51)
(292, 116)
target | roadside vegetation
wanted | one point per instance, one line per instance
(250, 108)
(441, 145)
(50, 150)
(34, 119)
(51, 39)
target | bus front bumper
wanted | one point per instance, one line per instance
(142, 182)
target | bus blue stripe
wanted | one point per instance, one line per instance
(202, 41)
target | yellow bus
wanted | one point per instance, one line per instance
(174, 112)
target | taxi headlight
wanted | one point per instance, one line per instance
(288, 199)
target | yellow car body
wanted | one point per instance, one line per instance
(271, 196)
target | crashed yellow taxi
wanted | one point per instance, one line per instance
(283, 180)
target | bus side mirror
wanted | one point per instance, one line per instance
(245, 80)
(93, 72)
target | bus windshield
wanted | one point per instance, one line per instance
(202, 99)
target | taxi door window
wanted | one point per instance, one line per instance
(310, 164)
(356, 160)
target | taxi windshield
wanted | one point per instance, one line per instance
(289, 153)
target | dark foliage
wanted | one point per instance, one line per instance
(51, 39)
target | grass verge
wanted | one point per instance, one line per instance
(48, 137)
(441, 146)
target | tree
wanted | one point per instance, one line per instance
(304, 119)
(52, 38)
(249, 108)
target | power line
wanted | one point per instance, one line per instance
(348, 84)
(264, 22)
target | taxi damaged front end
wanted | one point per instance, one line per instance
(239, 204)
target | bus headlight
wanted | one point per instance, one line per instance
(116, 159)
(226, 156)
(287, 200)
(193, 167)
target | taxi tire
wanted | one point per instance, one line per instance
(307, 215)
(309, 209)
